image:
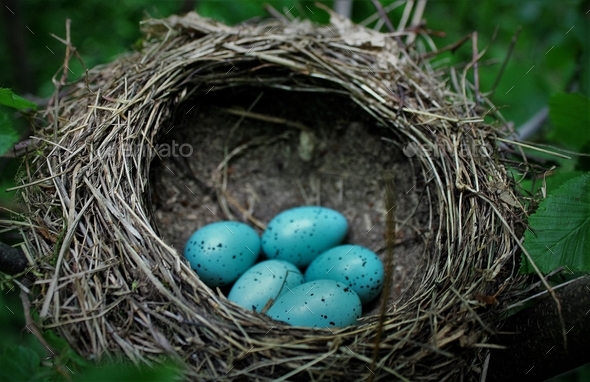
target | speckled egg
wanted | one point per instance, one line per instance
(265, 281)
(299, 235)
(318, 304)
(354, 265)
(220, 252)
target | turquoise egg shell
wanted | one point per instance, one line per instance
(266, 280)
(220, 252)
(299, 235)
(353, 265)
(318, 304)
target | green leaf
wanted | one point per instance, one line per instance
(18, 363)
(8, 135)
(8, 98)
(56, 341)
(129, 372)
(64, 349)
(570, 114)
(561, 229)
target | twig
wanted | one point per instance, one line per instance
(533, 148)
(377, 15)
(510, 49)
(248, 215)
(453, 47)
(266, 118)
(542, 293)
(383, 15)
(475, 59)
(276, 14)
(227, 156)
(416, 20)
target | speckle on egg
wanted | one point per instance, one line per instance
(220, 252)
(264, 281)
(298, 235)
(355, 266)
(330, 304)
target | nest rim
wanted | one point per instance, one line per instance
(193, 322)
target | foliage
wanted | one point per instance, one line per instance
(40, 20)
(531, 74)
(559, 230)
(8, 98)
(8, 134)
(20, 363)
(130, 373)
(23, 358)
(570, 130)
(559, 233)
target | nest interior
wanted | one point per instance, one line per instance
(335, 157)
(105, 241)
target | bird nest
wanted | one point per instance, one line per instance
(429, 179)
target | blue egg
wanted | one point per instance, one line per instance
(299, 235)
(353, 265)
(265, 281)
(220, 252)
(318, 304)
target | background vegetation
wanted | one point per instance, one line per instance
(550, 56)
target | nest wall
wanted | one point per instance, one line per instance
(109, 284)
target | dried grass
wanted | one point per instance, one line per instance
(108, 283)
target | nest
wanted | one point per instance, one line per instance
(109, 283)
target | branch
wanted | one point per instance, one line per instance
(533, 337)
(533, 124)
(510, 49)
(343, 7)
(383, 15)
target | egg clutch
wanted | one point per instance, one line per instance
(338, 278)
